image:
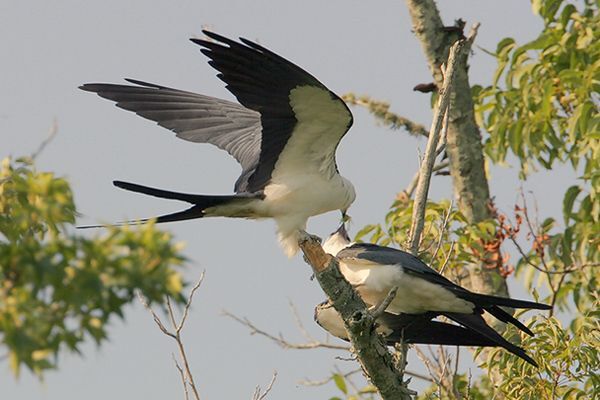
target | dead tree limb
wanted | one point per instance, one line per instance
(435, 133)
(464, 146)
(377, 362)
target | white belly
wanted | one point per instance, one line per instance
(415, 295)
(307, 195)
(291, 200)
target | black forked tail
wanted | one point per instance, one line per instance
(190, 213)
(478, 324)
(485, 299)
(200, 203)
(492, 305)
(201, 200)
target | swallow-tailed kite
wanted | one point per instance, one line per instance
(410, 328)
(284, 134)
(375, 270)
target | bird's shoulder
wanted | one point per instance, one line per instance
(382, 255)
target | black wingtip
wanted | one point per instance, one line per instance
(215, 36)
(121, 184)
(211, 35)
(143, 83)
(87, 87)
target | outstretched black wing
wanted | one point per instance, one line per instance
(302, 121)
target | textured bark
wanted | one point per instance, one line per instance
(372, 353)
(463, 142)
(431, 151)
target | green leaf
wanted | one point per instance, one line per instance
(568, 202)
(340, 383)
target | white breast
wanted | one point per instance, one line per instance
(415, 295)
(305, 181)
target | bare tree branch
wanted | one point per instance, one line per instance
(443, 230)
(182, 375)
(280, 340)
(439, 113)
(189, 302)
(321, 382)
(51, 134)
(410, 188)
(259, 395)
(383, 305)
(188, 378)
(299, 323)
(464, 147)
(447, 260)
(381, 110)
(369, 347)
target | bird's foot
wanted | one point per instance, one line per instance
(304, 236)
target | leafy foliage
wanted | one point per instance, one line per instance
(58, 288)
(448, 242)
(547, 109)
(569, 360)
(542, 107)
(345, 385)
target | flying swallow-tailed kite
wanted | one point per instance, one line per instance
(284, 134)
(375, 270)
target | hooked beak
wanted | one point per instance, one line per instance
(342, 231)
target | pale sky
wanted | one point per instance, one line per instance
(50, 48)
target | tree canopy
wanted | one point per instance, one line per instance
(538, 111)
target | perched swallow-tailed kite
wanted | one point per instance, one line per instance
(375, 270)
(410, 328)
(284, 134)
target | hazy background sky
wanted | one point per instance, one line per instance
(49, 48)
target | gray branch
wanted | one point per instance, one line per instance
(377, 362)
(381, 110)
(464, 146)
(418, 216)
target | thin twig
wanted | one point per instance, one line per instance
(527, 259)
(188, 378)
(280, 340)
(384, 304)
(182, 375)
(156, 318)
(555, 291)
(430, 368)
(189, 301)
(51, 134)
(257, 392)
(530, 225)
(309, 382)
(188, 372)
(381, 110)
(442, 230)
(171, 314)
(348, 379)
(299, 323)
(447, 260)
(410, 189)
(455, 375)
